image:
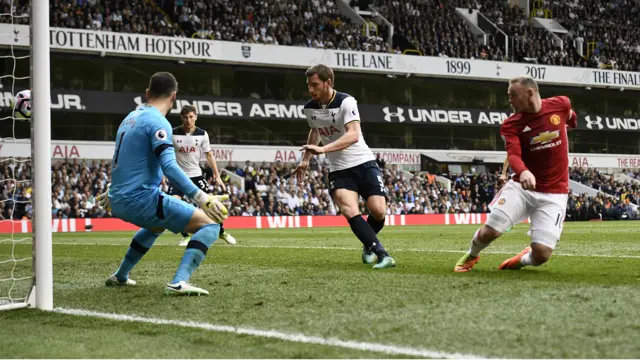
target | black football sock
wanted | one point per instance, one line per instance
(184, 234)
(376, 225)
(221, 229)
(367, 236)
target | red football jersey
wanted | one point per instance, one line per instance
(538, 143)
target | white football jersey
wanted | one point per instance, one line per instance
(330, 121)
(190, 149)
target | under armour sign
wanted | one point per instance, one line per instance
(594, 122)
(389, 115)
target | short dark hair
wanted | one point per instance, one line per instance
(162, 84)
(323, 71)
(186, 109)
(526, 81)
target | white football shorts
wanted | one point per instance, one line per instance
(512, 205)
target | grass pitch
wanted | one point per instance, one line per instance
(584, 303)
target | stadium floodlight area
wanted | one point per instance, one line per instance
(26, 271)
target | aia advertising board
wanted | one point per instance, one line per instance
(248, 222)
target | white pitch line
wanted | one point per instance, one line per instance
(435, 251)
(360, 249)
(273, 334)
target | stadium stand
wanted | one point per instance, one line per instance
(132, 16)
(430, 25)
(609, 29)
(531, 44)
(298, 23)
(435, 30)
(270, 190)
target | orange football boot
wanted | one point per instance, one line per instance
(466, 263)
(514, 262)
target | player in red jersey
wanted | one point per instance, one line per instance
(537, 150)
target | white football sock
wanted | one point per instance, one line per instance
(476, 246)
(527, 259)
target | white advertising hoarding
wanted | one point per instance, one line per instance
(238, 154)
(138, 45)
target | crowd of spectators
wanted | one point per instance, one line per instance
(314, 23)
(616, 200)
(530, 43)
(614, 27)
(15, 11)
(435, 30)
(431, 26)
(269, 190)
(611, 25)
(269, 183)
(130, 16)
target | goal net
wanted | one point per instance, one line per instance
(26, 275)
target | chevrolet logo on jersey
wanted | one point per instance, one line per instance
(545, 137)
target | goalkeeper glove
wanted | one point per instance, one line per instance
(212, 205)
(103, 199)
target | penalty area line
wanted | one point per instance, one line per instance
(273, 334)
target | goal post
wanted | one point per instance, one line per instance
(21, 287)
(41, 156)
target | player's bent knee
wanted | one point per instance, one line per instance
(156, 231)
(198, 220)
(377, 207)
(349, 211)
(542, 245)
(378, 213)
(540, 258)
(347, 202)
(540, 253)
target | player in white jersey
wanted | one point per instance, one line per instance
(335, 121)
(190, 144)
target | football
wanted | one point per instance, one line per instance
(21, 105)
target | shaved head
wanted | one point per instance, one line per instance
(524, 94)
(526, 82)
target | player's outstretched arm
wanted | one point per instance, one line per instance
(349, 138)
(175, 174)
(210, 204)
(159, 133)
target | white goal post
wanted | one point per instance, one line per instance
(41, 291)
(41, 155)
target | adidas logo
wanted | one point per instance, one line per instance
(526, 128)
